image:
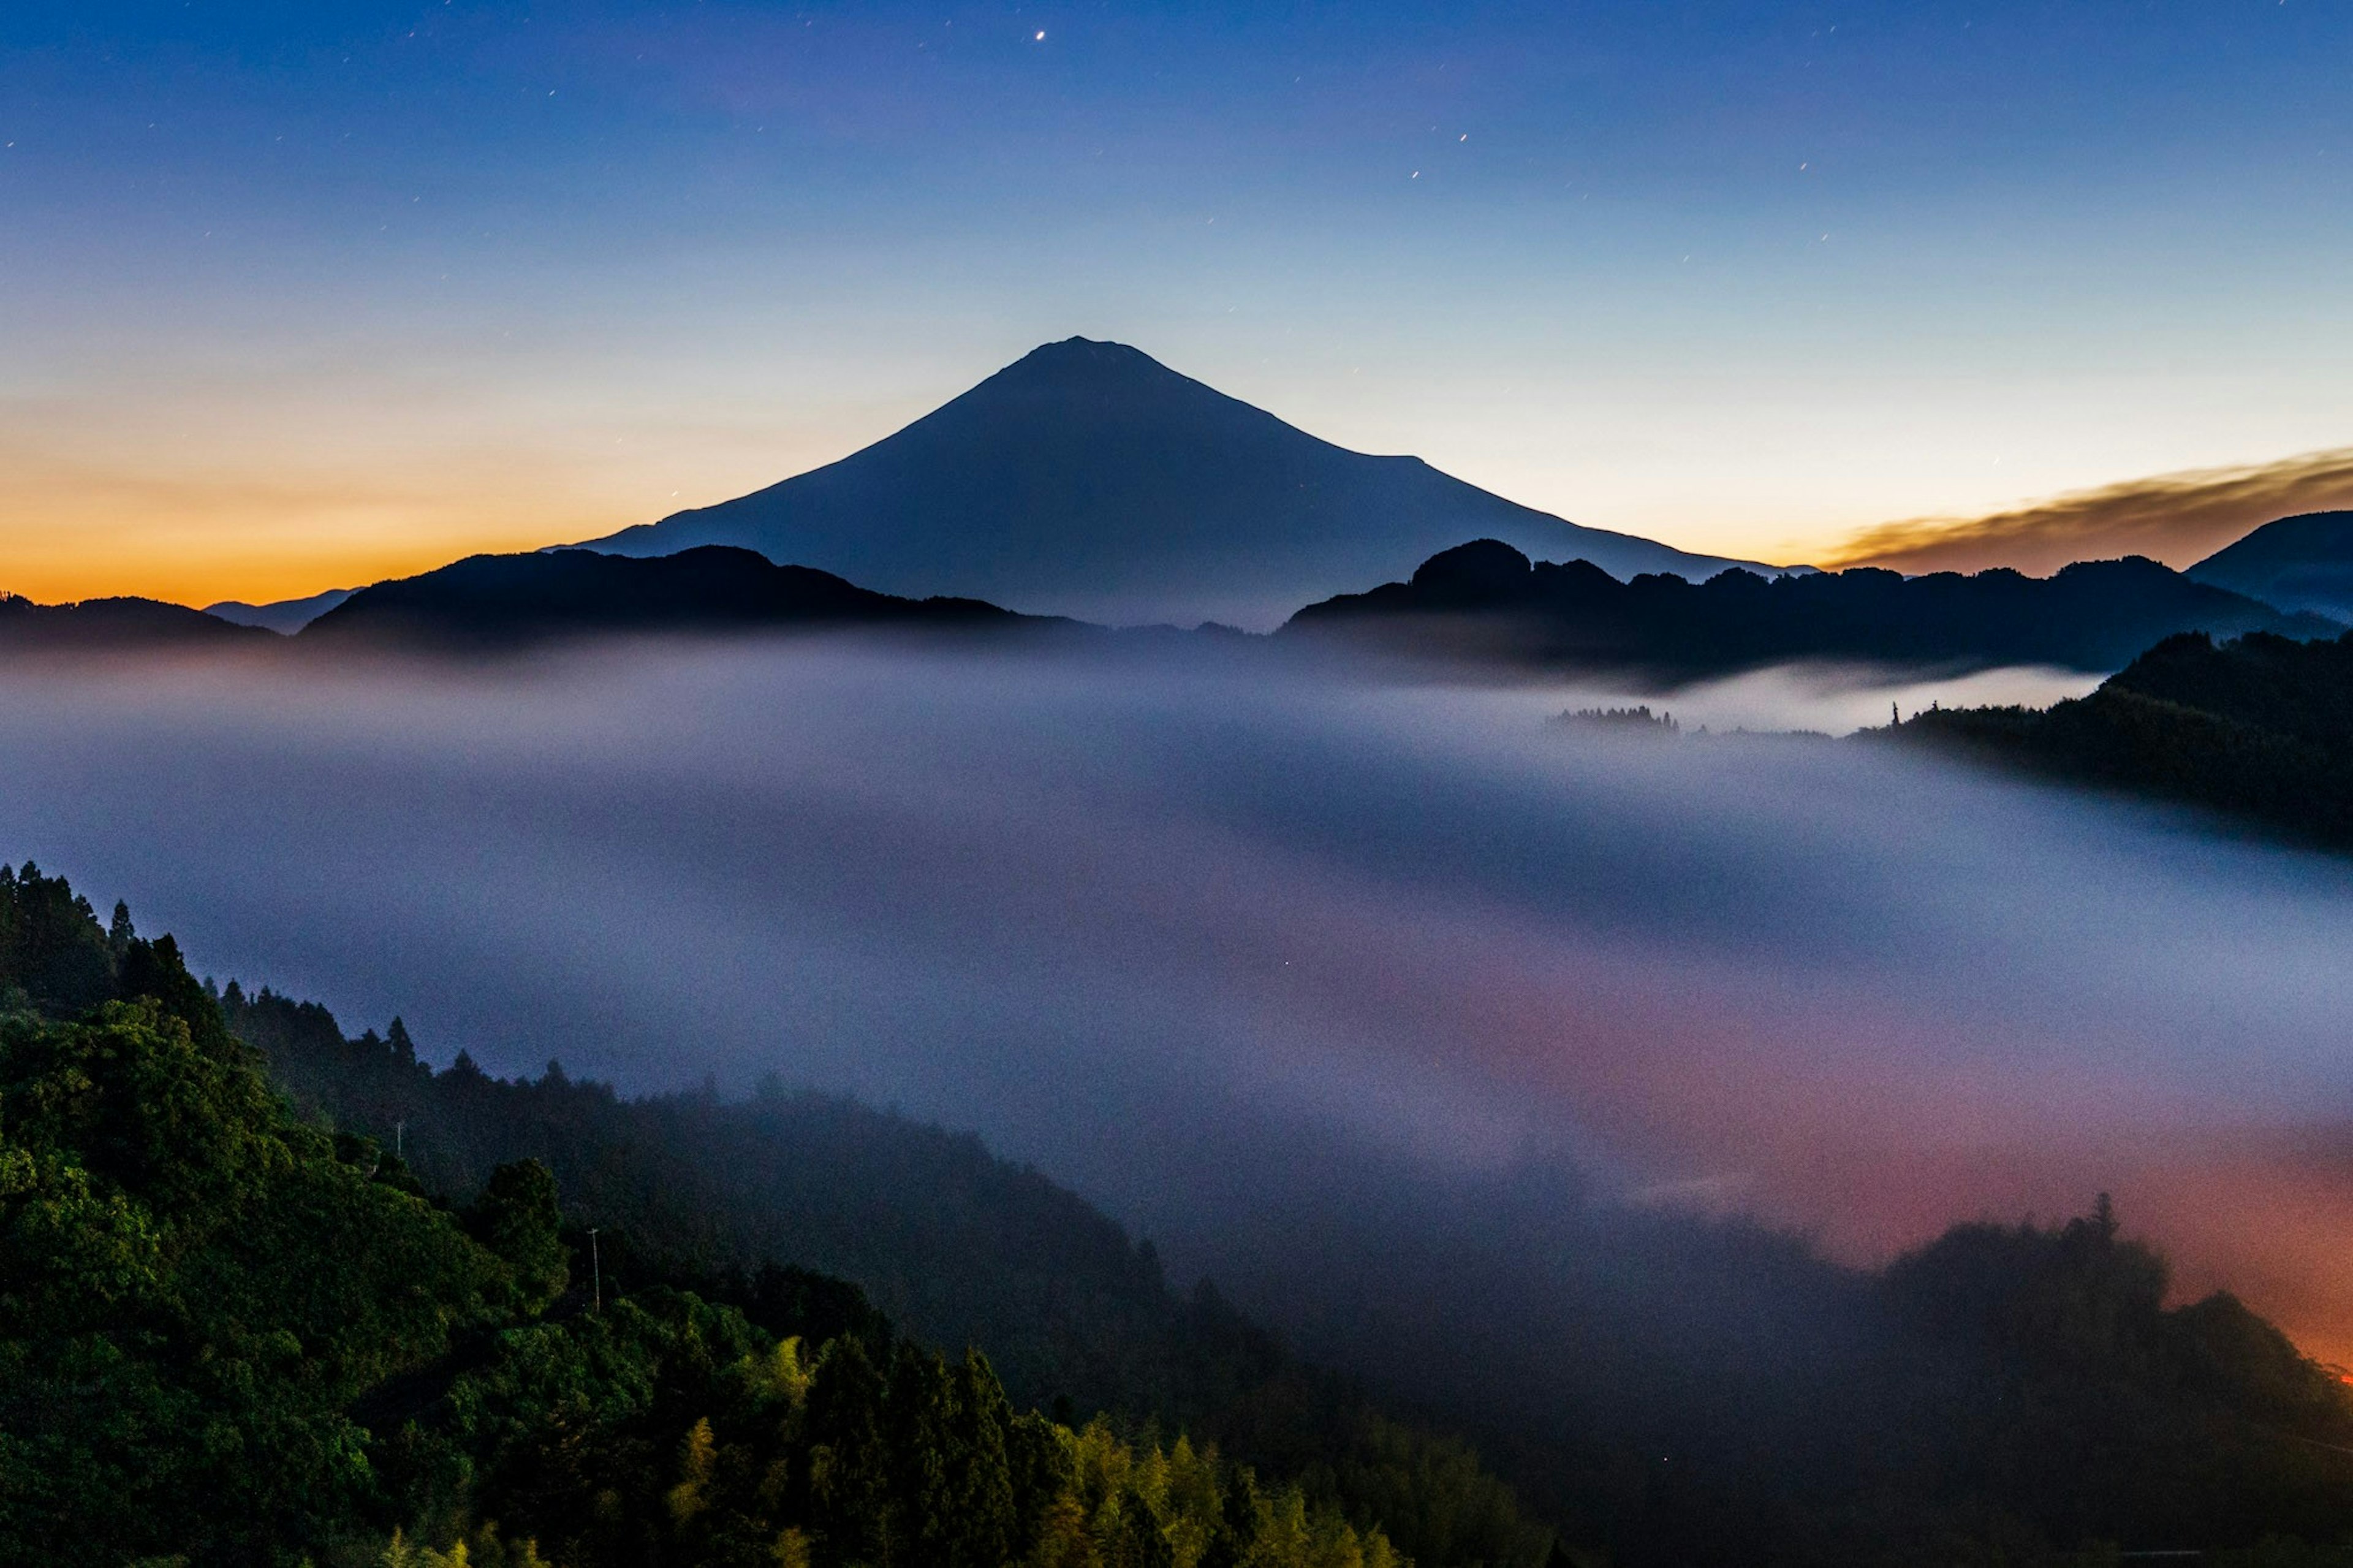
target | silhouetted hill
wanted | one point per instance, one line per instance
(95, 625)
(503, 600)
(1484, 601)
(2261, 729)
(285, 617)
(1090, 480)
(2297, 564)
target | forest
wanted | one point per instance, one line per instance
(232, 1333)
(271, 1294)
(2258, 727)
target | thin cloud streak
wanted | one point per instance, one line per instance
(2178, 519)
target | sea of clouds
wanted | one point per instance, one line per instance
(1273, 964)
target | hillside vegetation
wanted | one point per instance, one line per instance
(2260, 728)
(230, 1334)
(358, 1317)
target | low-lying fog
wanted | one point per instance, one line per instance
(1231, 951)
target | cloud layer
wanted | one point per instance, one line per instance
(1260, 962)
(2178, 519)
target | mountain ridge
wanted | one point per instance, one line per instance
(1485, 603)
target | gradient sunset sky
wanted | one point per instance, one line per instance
(297, 296)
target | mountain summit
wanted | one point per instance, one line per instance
(1090, 480)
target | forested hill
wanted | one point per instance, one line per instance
(231, 1333)
(497, 601)
(2260, 728)
(1486, 603)
(94, 624)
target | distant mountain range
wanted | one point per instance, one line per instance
(488, 601)
(2296, 563)
(285, 617)
(1485, 603)
(1089, 480)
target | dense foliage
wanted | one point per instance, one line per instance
(956, 1246)
(2260, 728)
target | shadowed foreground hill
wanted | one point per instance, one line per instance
(1486, 603)
(2260, 728)
(1090, 480)
(495, 600)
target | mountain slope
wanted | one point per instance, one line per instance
(2301, 563)
(503, 600)
(1089, 480)
(1485, 603)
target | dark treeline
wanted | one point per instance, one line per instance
(359, 1319)
(2260, 726)
(1485, 601)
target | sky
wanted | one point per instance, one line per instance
(297, 296)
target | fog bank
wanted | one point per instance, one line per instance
(1240, 954)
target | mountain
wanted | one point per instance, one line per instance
(285, 617)
(2301, 563)
(1486, 603)
(98, 625)
(502, 600)
(1089, 480)
(2260, 729)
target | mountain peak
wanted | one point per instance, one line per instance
(1089, 362)
(1087, 479)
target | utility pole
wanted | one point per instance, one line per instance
(597, 1273)
(400, 1139)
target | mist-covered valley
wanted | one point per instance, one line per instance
(1299, 976)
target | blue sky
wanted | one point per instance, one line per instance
(293, 296)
